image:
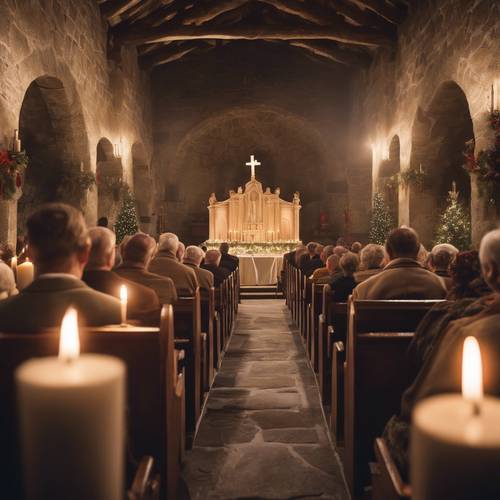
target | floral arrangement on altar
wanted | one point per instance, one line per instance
(248, 248)
(486, 165)
(12, 168)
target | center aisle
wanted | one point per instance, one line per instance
(263, 435)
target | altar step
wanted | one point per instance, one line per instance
(260, 292)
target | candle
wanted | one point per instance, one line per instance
(16, 143)
(72, 422)
(25, 274)
(123, 303)
(455, 440)
(13, 265)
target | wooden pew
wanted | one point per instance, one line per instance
(207, 307)
(306, 315)
(376, 374)
(315, 311)
(154, 393)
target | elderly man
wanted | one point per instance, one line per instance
(441, 372)
(227, 260)
(372, 262)
(180, 251)
(343, 283)
(404, 277)
(137, 254)
(356, 247)
(322, 272)
(332, 265)
(166, 264)
(143, 304)
(440, 258)
(193, 258)
(312, 261)
(59, 247)
(212, 264)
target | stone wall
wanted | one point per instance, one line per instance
(213, 111)
(67, 40)
(441, 42)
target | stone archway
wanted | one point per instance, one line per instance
(387, 184)
(109, 175)
(53, 133)
(143, 188)
(438, 141)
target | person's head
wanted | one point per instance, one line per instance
(332, 264)
(212, 257)
(372, 257)
(299, 252)
(168, 242)
(102, 222)
(340, 250)
(194, 255)
(311, 248)
(224, 248)
(442, 256)
(489, 255)
(349, 263)
(327, 251)
(102, 251)
(58, 240)
(138, 250)
(402, 242)
(464, 269)
(356, 247)
(340, 242)
(180, 251)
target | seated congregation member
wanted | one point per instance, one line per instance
(181, 249)
(439, 261)
(7, 281)
(312, 260)
(193, 258)
(356, 247)
(137, 254)
(322, 272)
(212, 264)
(227, 260)
(300, 251)
(403, 277)
(343, 283)
(340, 250)
(372, 260)
(440, 372)
(165, 263)
(332, 265)
(142, 302)
(59, 247)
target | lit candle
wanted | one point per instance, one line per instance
(123, 303)
(72, 422)
(17, 142)
(13, 265)
(455, 440)
(25, 274)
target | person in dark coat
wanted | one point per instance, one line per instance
(227, 260)
(212, 264)
(344, 283)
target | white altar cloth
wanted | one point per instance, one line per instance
(260, 269)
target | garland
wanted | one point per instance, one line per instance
(412, 176)
(12, 168)
(113, 185)
(74, 182)
(247, 248)
(486, 165)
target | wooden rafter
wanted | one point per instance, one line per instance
(114, 8)
(173, 52)
(363, 17)
(384, 9)
(201, 13)
(331, 51)
(307, 11)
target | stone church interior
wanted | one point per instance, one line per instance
(250, 249)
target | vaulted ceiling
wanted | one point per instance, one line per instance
(341, 31)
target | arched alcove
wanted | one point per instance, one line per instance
(438, 141)
(109, 174)
(389, 168)
(212, 157)
(143, 187)
(53, 133)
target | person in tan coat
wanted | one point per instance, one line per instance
(404, 277)
(136, 256)
(193, 257)
(372, 262)
(165, 263)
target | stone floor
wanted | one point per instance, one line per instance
(263, 435)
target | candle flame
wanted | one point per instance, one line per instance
(123, 294)
(472, 371)
(69, 341)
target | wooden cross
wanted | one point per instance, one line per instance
(252, 164)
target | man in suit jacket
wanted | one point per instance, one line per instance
(137, 254)
(142, 303)
(193, 257)
(228, 261)
(165, 263)
(59, 247)
(212, 264)
(404, 277)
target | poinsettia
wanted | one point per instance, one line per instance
(5, 158)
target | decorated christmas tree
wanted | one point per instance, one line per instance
(381, 221)
(454, 224)
(126, 223)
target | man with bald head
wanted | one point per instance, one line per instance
(193, 257)
(403, 277)
(136, 254)
(166, 264)
(142, 303)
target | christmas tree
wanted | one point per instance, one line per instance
(454, 224)
(126, 223)
(381, 221)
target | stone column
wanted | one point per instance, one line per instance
(484, 215)
(8, 221)
(211, 223)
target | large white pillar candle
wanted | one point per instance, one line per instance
(123, 303)
(72, 423)
(25, 274)
(455, 440)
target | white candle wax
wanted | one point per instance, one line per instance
(13, 265)
(25, 274)
(123, 303)
(455, 454)
(72, 427)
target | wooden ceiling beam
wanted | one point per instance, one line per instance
(382, 8)
(363, 17)
(305, 10)
(115, 8)
(201, 13)
(168, 54)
